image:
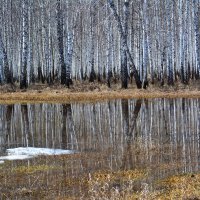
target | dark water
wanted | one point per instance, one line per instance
(130, 133)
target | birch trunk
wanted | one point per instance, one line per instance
(60, 42)
(23, 74)
(93, 25)
(4, 62)
(169, 41)
(124, 42)
(196, 5)
(109, 52)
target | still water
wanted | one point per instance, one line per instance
(161, 135)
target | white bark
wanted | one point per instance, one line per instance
(23, 74)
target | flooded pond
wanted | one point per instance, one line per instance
(143, 141)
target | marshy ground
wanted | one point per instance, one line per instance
(163, 165)
(75, 177)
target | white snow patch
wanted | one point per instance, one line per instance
(14, 157)
(22, 153)
(1, 161)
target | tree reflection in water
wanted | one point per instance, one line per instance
(158, 134)
(131, 134)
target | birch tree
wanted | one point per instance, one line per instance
(109, 51)
(31, 50)
(145, 45)
(169, 42)
(60, 42)
(93, 34)
(196, 6)
(123, 35)
(4, 65)
(71, 25)
(23, 74)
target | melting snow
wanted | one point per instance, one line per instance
(22, 153)
(14, 157)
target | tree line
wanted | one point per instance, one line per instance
(52, 41)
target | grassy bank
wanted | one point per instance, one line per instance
(92, 92)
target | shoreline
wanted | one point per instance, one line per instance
(66, 96)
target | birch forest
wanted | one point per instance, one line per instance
(127, 41)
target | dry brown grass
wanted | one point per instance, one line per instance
(186, 187)
(86, 176)
(182, 187)
(92, 92)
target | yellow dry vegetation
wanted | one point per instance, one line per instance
(181, 187)
(90, 92)
(31, 169)
(65, 96)
(124, 175)
(130, 184)
(110, 185)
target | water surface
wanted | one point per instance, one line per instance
(157, 135)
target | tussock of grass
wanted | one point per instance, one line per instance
(118, 185)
